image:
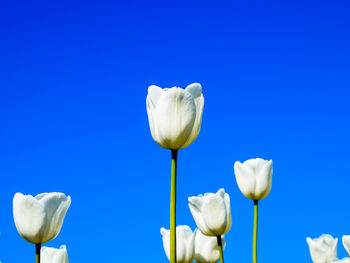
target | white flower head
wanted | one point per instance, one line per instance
(212, 212)
(175, 115)
(54, 255)
(39, 219)
(254, 178)
(206, 248)
(323, 249)
(184, 243)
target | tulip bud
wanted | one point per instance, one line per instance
(346, 243)
(323, 249)
(54, 255)
(212, 213)
(184, 243)
(39, 219)
(175, 115)
(206, 248)
(254, 178)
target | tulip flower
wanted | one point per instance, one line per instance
(39, 219)
(323, 249)
(54, 255)
(175, 117)
(212, 214)
(206, 248)
(346, 243)
(184, 243)
(254, 179)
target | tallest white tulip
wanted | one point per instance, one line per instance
(175, 115)
(175, 118)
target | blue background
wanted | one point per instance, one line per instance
(74, 78)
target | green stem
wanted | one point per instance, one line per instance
(37, 253)
(221, 251)
(255, 232)
(173, 207)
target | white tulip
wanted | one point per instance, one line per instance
(175, 115)
(344, 260)
(184, 243)
(212, 212)
(323, 249)
(39, 219)
(346, 243)
(254, 178)
(206, 248)
(54, 255)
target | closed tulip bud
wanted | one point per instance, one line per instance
(39, 219)
(54, 255)
(184, 243)
(323, 249)
(346, 243)
(212, 212)
(175, 115)
(254, 178)
(206, 248)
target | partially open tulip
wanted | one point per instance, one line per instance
(184, 243)
(54, 255)
(212, 212)
(346, 243)
(206, 248)
(323, 249)
(175, 115)
(254, 178)
(39, 219)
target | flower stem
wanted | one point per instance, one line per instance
(255, 232)
(173, 207)
(37, 253)
(221, 252)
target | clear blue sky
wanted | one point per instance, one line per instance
(74, 78)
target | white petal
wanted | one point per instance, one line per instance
(228, 213)
(29, 216)
(195, 204)
(264, 181)
(195, 89)
(154, 93)
(198, 122)
(56, 206)
(166, 241)
(214, 214)
(245, 180)
(176, 115)
(151, 113)
(346, 243)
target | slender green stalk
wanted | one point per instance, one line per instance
(255, 232)
(173, 207)
(220, 249)
(37, 253)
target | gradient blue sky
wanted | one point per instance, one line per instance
(74, 78)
